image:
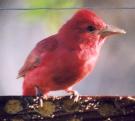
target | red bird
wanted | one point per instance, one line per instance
(61, 60)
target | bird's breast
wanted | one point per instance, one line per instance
(73, 66)
(88, 58)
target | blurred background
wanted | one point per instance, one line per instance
(21, 30)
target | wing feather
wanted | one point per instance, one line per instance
(34, 59)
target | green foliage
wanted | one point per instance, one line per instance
(53, 18)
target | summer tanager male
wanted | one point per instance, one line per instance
(65, 58)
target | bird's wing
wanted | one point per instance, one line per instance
(35, 57)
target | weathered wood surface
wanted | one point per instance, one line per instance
(18, 108)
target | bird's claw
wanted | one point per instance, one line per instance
(74, 95)
(41, 101)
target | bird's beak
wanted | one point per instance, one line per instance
(111, 30)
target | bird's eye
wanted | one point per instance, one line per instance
(91, 28)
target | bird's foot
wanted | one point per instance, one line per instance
(40, 101)
(40, 96)
(74, 94)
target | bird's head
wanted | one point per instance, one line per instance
(86, 26)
